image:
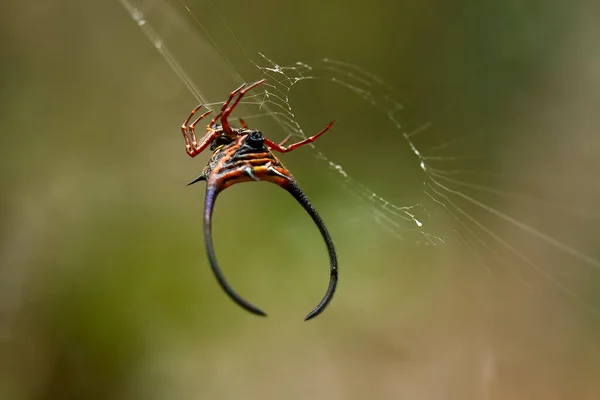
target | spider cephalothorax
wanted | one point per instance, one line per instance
(244, 155)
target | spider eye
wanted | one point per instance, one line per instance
(255, 139)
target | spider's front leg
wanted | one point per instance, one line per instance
(192, 147)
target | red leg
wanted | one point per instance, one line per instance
(191, 145)
(193, 126)
(204, 143)
(224, 107)
(311, 139)
(228, 110)
(185, 124)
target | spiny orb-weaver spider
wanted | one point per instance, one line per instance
(245, 155)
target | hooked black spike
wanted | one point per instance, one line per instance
(202, 177)
(293, 188)
(211, 196)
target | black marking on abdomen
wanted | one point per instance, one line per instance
(250, 156)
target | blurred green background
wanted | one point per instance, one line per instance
(105, 290)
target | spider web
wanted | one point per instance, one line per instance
(467, 194)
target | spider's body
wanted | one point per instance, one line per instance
(245, 155)
(244, 159)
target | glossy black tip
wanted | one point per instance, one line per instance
(326, 299)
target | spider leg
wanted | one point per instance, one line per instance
(228, 109)
(211, 196)
(224, 107)
(204, 143)
(192, 147)
(184, 127)
(281, 149)
(243, 124)
(193, 126)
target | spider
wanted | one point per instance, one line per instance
(245, 155)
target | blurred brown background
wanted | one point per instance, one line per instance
(105, 290)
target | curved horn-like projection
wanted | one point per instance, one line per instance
(211, 196)
(293, 188)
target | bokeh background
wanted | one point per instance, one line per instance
(105, 290)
